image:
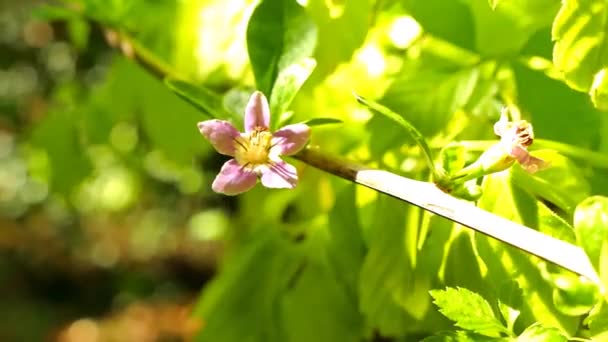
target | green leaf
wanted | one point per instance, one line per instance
(599, 90)
(504, 30)
(597, 320)
(346, 248)
(539, 333)
(339, 35)
(387, 270)
(409, 128)
(543, 97)
(279, 34)
(322, 121)
(449, 20)
(167, 122)
(574, 295)
(580, 50)
(322, 306)
(288, 83)
(452, 157)
(510, 300)
(591, 227)
(561, 184)
(505, 263)
(431, 94)
(244, 301)
(493, 3)
(58, 135)
(338, 320)
(208, 102)
(468, 310)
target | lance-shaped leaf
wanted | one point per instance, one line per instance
(288, 83)
(580, 50)
(203, 99)
(279, 34)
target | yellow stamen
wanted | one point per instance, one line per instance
(252, 148)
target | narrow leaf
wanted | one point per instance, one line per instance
(409, 128)
(288, 83)
(208, 102)
(322, 121)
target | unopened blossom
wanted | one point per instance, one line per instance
(256, 152)
(515, 137)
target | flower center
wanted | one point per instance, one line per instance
(252, 148)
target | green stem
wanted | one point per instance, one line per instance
(596, 159)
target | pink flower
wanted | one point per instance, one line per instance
(256, 152)
(515, 137)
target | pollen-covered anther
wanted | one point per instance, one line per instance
(252, 149)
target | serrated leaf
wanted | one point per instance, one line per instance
(288, 83)
(322, 121)
(580, 49)
(208, 102)
(279, 34)
(591, 227)
(468, 310)
(539, 333)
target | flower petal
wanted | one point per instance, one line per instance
(257, 113)
(279, 175)
(290, 139)
(233, 179)
(221, 135)
(501, 126)
(529, 162)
